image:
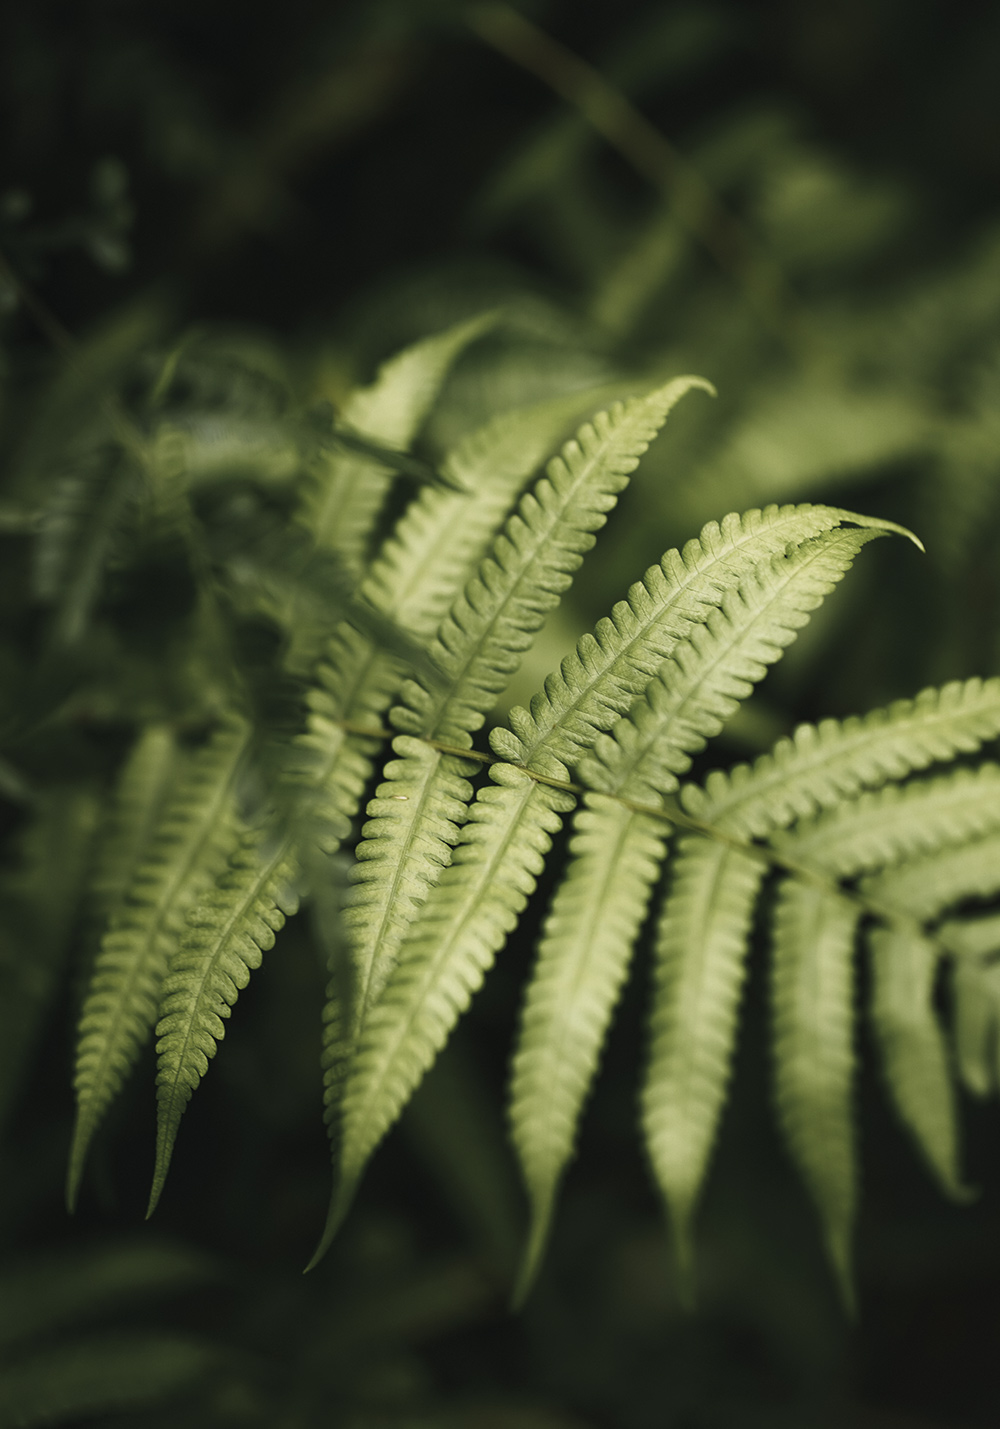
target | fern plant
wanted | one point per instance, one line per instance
(401, 615)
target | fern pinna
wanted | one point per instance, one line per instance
(874, 836)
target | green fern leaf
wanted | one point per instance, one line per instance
(228, 932)
(897, 823)
(543, 543)
(976, 999)
(712, 668)
(922, 888)
(467, 918)
(346, 490)
(478, 647)
(148, 775)
(188, 848)
(582, 962)
(914, 1057)
(716, 667)
(443, 535)
(701, 947)
(813, 979)
(820, 765)
(419, 571)
(413, 818)
(597, 684)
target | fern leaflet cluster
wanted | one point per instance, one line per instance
(876, 836)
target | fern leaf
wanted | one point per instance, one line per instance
(478, 647)
(413, 824)
(481, 641)
(186, 852)
(701, 947)
(148, 775)
(975, 999)
(346, 492)
(471, 911)
(813, 979)
(419, 571)
(922, 888)
(582, 962)
(229, 930)
(716, 666)
(897, 823)
(820, 765)
(597, 683)
(712, 668)
(443, 535)
(914, 1057)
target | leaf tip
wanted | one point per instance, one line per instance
(340, 1203)
(541, 1221)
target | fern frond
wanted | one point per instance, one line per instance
(472, 909)
(420, 569)
(582, 962)
(598, 682)
(911, 1041)
(345, 492)
(147, 777)
(813, 981)
(443, 535)
(701, 946)
(228, 932)
(478, 646)
(975, 987)
(700, 685)
(716, 666)
(923, 888)
(542, 544)
(183, 856)
(899, 822)
(820, 765)
(413, 823)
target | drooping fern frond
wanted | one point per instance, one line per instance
(227, 935)
(975, 988)
(700, 952)
(176, 861)
(913, 1048)
(813, 981)
(146, 779)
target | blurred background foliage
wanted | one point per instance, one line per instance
(237, 214)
